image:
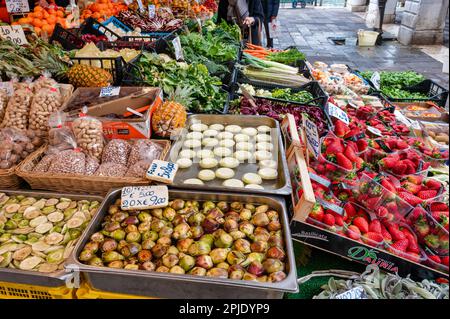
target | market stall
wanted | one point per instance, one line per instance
(185, 162)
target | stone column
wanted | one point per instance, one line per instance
(423, 22)
(389, 11)
(357, 5)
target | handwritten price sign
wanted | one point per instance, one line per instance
(14, 34)
(110, 91)
(312, 137)
(162, 171)
(336, 112)
(144, 197)
(17, 6)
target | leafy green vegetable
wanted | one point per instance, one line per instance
(206, 93)
(286, 94)
(288, 57)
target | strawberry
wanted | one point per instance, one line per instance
(399, 246)
(386, 235)
(396, 233)
(374, 237)
(353, 232)
(387, 162)
(432, 241)
(328, 219)
(399, 168)
(335, 147)
(388, 185)
(371, 202)
(350, 154)
(432, 184)
(381, 212)
(343, 161)
(421, 227)
(412, 188)
(350, 210)
(437, 206)
(427, 194)
(435, 258)
(359, 163)
(375, 226)
(317, 212)
(438, 216)
(362, 224)
(401, 145)
(362, 145)
(444, 260)
(341, 129)
(417, 212)
(410, 199)
(339, 220)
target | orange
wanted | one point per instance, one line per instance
(38, 15)
(38, 8)
(96, 15)
(23, 21)
(37, 30)
(47, 28)
(37, 23)
(60, 14)
(51, 19)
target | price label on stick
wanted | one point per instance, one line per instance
(375, 78)
(8, 87)
(162, 171)
(128, 2)
(109, 91)
(374, 131)
(199, 23)
(144, 197)
(151, 11)
(336, 112)
(178, 50)
(17, 6)
(14, 34)
(312, 137)
(354, 293)
(141, 6)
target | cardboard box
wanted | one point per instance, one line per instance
(131, 128)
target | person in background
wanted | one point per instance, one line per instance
(246, 13)
(271, 8)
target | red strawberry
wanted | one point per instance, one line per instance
(412, 188)
(335, 147)
(317, 212)
(382, 212)
(371, 202)
(353, 232)
(435, 258)
(328, 219)
(401, 145)
(440, 216)
(350, 210)
(410, 199)
(421, 227)
(427, 194)
(362, 224)
(388, 162)
(362, 145)
(375, 226)
(343, 161)
(386, 235)
(340, 128)
(444, 260)
(350, 154)
(388, 185)
(399, 246)
(359, 162)
(417, 212)
(374, 237)
(432, 184)
(395, 232)
(399, 168)
(437, 206)
(339, 220)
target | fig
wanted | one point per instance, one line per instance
(255, 268)
(204, 261)
(148, 265)
(224, 241)
(187, 262)
(109, 245)
(242, 246)
(272, 265)
(259, 246)
(276, 252)
(246, 214)
(277, 276)
(170, 260)
(260, 219)
(230, 225)
(217, 272)
(219, 255)
(184, 244)
(177, 204)
(169, 213)
(223, 206)
(198, 271)
(181, 231)
(210, 225)
(177, 270)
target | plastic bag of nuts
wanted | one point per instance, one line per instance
(15, 146)
(144, 150)
(116, 151)
(44, 82)
(18, 109)
(44, 164)
(111, 170)
(3, 103)
(138, 169)
(68, 162)
(89, 135)
(45, 102)
(92, 165)
(60, 136)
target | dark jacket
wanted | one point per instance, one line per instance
(255, 10)
(271, 8)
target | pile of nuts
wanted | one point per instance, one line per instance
(224, 240)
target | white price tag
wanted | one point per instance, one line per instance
(400, 117)
(199, 22)
(336, 112)
(141, 6)
(17, 6)
(13, 33)
(162, 171)
(374, 131)
(376, 80)
(151, 11)
(108, 91)
(144, 197)
(178, 50)
(354, 293)
(128, 2)
(312, 137)
(8, 87)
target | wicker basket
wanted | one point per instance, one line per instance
(9, 179)
(78, 183)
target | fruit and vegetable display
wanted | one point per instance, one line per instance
(38, 233)
(101, 10)
(282, 94)
(233, 240)
(161, 22)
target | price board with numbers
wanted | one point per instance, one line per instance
(17, 6)
(13, 33)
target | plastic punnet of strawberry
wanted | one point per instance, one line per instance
(436, 156)
(403, 163)
(426, 189)
(435, 261)
(324, 217)
(431, 229)
(404, 242)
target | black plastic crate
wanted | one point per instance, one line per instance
(92, 26)
(116, 66)
(67, 39)
(313, 87)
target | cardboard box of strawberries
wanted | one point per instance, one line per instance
(374, 201)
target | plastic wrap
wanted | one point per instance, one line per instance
(60, 136)
(68, 162)
(111, 170)
(138, 169)
(89, 135)
(3, 103)
(144, 150)
(18, 109)
(116, 151)
(44, 163)
(92, 165)
(15, 146)
(44, 82)
(45, 102)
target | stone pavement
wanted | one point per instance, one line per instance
(309, 30)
